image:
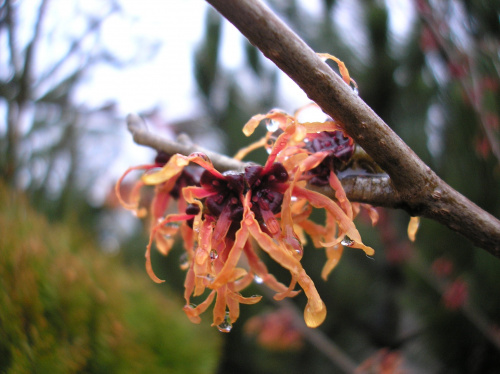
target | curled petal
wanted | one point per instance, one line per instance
(333, 255)
(252, 124)
(340, 195)
(260, 269)
(279, 145)
(289, 292)
(226, 273)
(168, 219)
(242, 153)
(245, 300)
(135, 193)
(220, 306)
(193, 313)
(345, 224)
(173, 168)
(342, 68)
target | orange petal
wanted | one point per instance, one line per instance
(413, 227)
(342, 68)
(220, 306)
(345, 224)
(193, 313)
(242, 153)
(252, 124)
(234, 255)
(333, 254)
(135, 196)
(340, 195)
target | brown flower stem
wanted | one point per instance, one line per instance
(420, 190)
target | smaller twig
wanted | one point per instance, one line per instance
(375, 189)
(143, 136)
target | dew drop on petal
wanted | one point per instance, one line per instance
(213, 255)
(347, 241)
(272, 125)
(257, 279)
(184, 261)
(226, 325)
(355, 90)
(314, 318)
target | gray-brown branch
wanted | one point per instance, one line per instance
(419, 189)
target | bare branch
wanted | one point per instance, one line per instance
(421, 191)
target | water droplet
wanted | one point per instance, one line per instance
(258, 279)
(184, 261)
(272, 125)
(355, 90)
(192, 306)
(293, 198)
(226, 325)
(213, 255)
(269, 146)
(347, 241)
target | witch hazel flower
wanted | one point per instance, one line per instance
(221, 217)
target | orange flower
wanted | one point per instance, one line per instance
(221, 216)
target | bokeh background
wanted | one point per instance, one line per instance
(74, 295)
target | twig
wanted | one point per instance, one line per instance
(375, 190)
(421, 191)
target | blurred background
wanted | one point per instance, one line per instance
(74, 295)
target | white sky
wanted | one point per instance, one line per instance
(167, 80)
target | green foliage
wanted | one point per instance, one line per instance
(65, 308)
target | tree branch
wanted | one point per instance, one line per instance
(421, 191)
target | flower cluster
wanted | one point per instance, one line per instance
(224, 218)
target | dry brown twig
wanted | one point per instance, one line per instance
(411, 184)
